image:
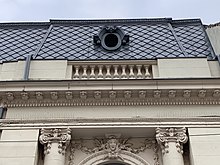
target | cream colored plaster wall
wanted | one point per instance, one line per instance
(214, 36)
(54, 69)
(112, 112)
(60, 70)
(183, 68)
(12, 71)
(19, 147)
(214, 68)
(204, 146)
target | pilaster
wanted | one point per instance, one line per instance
(55, 142)
(171, 141)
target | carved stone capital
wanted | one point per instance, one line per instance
(166, 135)
(60, 136)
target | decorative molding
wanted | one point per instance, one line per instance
(112, 94)
(110, 98)
(166, 135)
(60, 136)
(128, 158)
(54, 95)
(69, 95)
(83, 94)
(156, 155)
(186, 93)
(216, 93)
(39, 95)
(172, 94)
(72, 153)
(202, 93)
(97, 95)
(9, 96)
(112, 147)
(157, 93)
(24, 96)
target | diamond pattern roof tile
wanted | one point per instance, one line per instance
(73, 40)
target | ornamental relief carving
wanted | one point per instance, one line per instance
(113, 147)
(60, 136)
(166, 135)
(111, 97)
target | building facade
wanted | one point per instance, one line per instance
(110, 92)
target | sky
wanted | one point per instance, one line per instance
(44, 10)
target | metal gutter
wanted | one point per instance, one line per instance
(27, 67)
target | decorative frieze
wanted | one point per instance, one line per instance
(216, 93)
(54, 95)
(187, 93)
(97, 95)
(83, 94)
(113, 146)
(172, 94)
(202, 93)
(69, 95)
(166, 135)
(60, 136)
(24, 96)
(9, 96)
(39, 95)
(112, 94)
(157, 94)
(111, 97)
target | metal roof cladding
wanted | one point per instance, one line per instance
(73, 40)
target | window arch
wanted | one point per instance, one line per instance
(127, 158)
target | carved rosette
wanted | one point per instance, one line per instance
(166, 135)
(60, 136)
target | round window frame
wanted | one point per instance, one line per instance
(118, 45)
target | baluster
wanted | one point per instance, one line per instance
(123, 74)
(139, 74)
(131, 68)
(108, 74)
(147, 74)
(76, 75)
(92, 74)
(100, 75)
(116, 75)
(84, 75)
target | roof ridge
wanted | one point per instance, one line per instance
(110, 20)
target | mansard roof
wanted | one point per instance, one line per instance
(74, 39)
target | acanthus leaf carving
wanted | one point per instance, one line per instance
(166, 135)
(60, 136)
(112, 145)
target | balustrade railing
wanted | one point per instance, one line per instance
(90, 71)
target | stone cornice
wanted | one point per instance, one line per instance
(111, 122)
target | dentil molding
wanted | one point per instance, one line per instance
(110, 97)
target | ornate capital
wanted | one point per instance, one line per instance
(166, 135)
(60, 136)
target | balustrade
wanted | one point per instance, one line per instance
(111, 71)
